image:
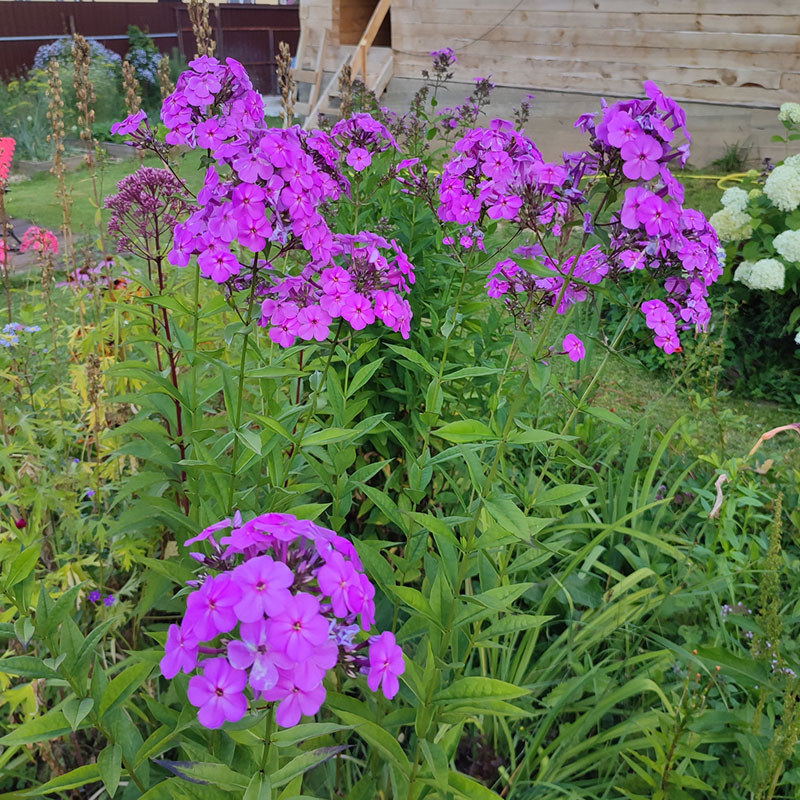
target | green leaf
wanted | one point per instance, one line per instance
(23, 565)
(327, 436)
(465, 430)
(471, 372)
(90, 773)
(563, 495)
(470, 789)
(303, 763)
(476, 687)
(513, 624)
(415, 358)
(379, 738)
(109, 763)
(415, 599)
(363, 375)
(308, 730)
(207, 772)
(437, 760)
(27, 667)
(123, 686)
(259, 788)
(276, 372)
(607, 416)
(39, 729)
(76, 710)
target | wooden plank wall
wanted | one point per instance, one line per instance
(725, 51)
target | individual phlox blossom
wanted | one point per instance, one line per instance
(574, 347)
(782, 187)
(361, 137)
(217, 692)
(130, 124)
(39, 239)
(278, 608)
(386, 664)
(180, 652)
(787, 244)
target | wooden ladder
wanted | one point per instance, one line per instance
(312, 75)
(358, 66)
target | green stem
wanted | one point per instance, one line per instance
(267, 737)
(314, 397)
(240, 387)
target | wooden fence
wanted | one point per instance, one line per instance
(248, 33)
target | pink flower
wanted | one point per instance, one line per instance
(265, 588)
(218, 693)
(640, 157)
(358, 311)
(209, 610)
(359, 158)
(506, 207)
(313, 322)
(254, 651)
(296, 701)
(335, 580)
(129, 124)
(386, 663)
(299, 627)
(574, 348)
(181, 652)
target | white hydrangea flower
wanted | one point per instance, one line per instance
(735, 198)
(797, 338)
(792, 161)
(754, 193)
(767, 274)
(731, 224)
(783, 187)
(742, 273)
(787, 244)
(789, 112)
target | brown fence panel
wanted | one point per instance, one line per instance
(247, 33)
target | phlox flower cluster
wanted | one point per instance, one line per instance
(360, 286)
(500, 174)
(39, 239)
(766, 274)
(288, 601)
(266, 196)
(7, 147)
(61, 49)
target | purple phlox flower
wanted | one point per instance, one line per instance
(299, 628)
(180, 652)
(265, 588)
(386, 664)
(129, 124)
(296, 700)
(573, 347)
(218, 693)
(255, 651)
(335, 579)
(640, 156)
(210, 610)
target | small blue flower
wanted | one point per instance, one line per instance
(90, 493)
(94, 597)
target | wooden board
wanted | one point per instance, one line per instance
(730, 7)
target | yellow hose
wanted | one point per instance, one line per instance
(733, 177)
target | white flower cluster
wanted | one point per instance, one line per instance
(766, 274)
(788, 245)
(735, 198)
(797, 338)
(783, 186)
(790, 112)
(731, 224)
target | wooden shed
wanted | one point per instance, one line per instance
(730, 52)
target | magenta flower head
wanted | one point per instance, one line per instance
(130, 124)
(283, 602)
(20, 523)
(574, 348)
(386, 663)
(218, 693)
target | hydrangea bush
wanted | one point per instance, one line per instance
(759, 226)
